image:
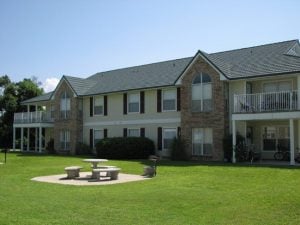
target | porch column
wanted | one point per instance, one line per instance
(292, 143)
(36, 139)
(40, 139)
(22, 138)
(28, 138)
(233, 140)
(14, 138)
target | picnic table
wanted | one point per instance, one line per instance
(94, 162)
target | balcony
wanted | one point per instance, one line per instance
(266, 102)
(33, 117)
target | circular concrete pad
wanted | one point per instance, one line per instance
(85, 179)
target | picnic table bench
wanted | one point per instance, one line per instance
(111, 172)
(73, 171)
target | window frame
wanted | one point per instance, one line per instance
(163, 135)
(65, 105)
(162, 100)
(94, 132)
(201, 85)
(128, 102)
(202, 129)
(133, 128)
(66, 142)
(94, 105)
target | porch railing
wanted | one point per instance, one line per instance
(33, 117)
(266, 102)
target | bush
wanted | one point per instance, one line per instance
(83, 149)
(125, 148)
(178, 149)
(50, 147)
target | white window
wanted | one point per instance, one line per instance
(98, 105)
(168, 135)
(169, 100)
(98, 135)
(202, 93)
(134, 103)
(65, 105)
(133, 132)
(65, 140)
(202, 141)
(277, 86)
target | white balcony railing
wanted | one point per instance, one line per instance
(33, 117)
(266, 102)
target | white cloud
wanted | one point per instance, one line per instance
(50, 84)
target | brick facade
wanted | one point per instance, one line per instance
(217, 119)
(73, 123)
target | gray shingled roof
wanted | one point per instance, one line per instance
(138, 77)
(44, 97)
(270, 59)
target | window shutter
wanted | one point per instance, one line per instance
(142, 132)
(105, 105)
(178, 132)
(91, 138)
(91, 106)
(125, 132)
(125, 103)
(178, 99)
(159, 138)
(105, 133)
(142, 102)
(158, 100)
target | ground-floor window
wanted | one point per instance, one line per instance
(133, 132)
(65, 140)
(275, 136)
(202, 141)
(98, 135)
(168, 135)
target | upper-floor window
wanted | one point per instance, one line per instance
(169, 100)
(98, 105)
(134, 103)
(65, 105)
(52, 111)
(202, 93)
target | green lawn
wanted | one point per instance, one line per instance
(182, 193)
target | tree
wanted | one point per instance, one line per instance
(10, 102)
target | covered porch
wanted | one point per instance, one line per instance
(267, 133)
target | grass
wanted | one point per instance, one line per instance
(182, 193)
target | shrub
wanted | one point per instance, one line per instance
(50, 147)
(178, 149)
(83, 149)
(125, 148)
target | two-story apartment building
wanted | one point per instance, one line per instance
(250, 91)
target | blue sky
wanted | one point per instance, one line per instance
(50, 38)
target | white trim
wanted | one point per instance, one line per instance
(267, 116)
(132, 122)
(33, 125)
